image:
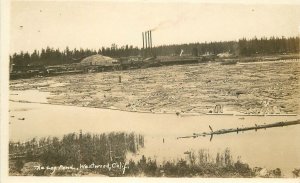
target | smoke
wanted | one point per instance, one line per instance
(163, 25)
(170, 23)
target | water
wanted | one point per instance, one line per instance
(271, 148)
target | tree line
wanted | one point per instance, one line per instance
(242, 47)
(199, 163)
(272, 45)
(75, 149)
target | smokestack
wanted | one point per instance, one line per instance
(143, 40)
(150, 40)
(149, 43)
(146, 40)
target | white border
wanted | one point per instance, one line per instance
(4, 65)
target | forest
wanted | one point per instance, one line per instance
(240, 48)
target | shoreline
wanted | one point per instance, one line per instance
(223, 61)
(234, 113)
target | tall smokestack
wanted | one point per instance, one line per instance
(150, 40)
(148, 32)
(146, 40)
(143, 40)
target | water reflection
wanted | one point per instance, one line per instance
(271, 148)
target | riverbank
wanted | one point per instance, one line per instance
(24, 72)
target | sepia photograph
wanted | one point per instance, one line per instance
(164, 89)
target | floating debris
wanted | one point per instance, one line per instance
(237, 130)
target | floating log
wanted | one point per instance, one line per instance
(237, 130)
(266, 114)
(220, 114)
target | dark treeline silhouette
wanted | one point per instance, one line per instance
(196, 164)
(197, 49)
(51, 56)
(75, 149)
(242, 47)
(272, 45)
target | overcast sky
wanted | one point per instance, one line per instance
(35, 25)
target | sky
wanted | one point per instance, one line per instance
(81, 24)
